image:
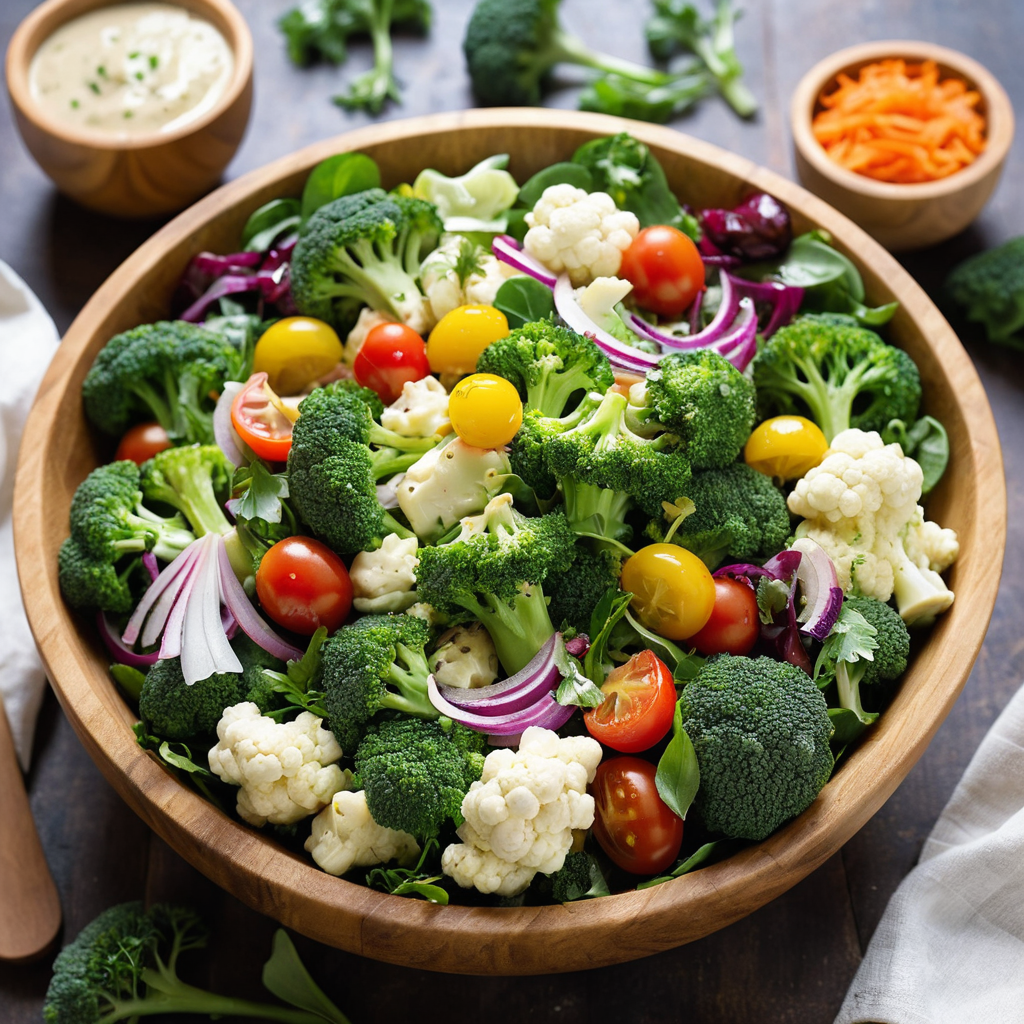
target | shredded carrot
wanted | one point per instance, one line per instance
(897, 122)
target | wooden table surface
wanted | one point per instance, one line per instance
(790, 961)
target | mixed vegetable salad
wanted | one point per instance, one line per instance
(476, 534)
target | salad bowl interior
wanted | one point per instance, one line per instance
(60, 450)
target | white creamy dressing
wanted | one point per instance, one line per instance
(132, 69)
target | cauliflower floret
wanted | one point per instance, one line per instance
(583, 233)
(521, 814)
(427, 612)
(860, 503)
(286, 770)
(459, 273)
(368, 319)
(383, 580)
(465, 657)
(346, 836)
(421, 410)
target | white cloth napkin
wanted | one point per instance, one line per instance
(950, 947)
(28, 340)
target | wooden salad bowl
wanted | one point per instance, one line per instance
(60, 449)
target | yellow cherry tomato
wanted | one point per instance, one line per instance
(485, 410)
(295, 351)
(673, 592)
(786, 447)
(461, 335)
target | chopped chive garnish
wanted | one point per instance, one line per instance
(134, 55)
(129, 113)
(139, 75)
(74, 104)
(101, 71)
(154, 61)
(95, 88)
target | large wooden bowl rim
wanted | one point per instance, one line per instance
(535, 939)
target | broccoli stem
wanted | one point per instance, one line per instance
(165, 415)
(551, 394)
(411, 682)
(519, 630)
(597, 512)
(568, 49)
(848, 683)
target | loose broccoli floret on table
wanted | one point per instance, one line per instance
(365, 250)
(737, 511)
(416, 772)
(548, 365)
(376, 664)
(841, 376)
(705, 400)
(494, 569)
(110, 528)
(990, 287)
(167, 371)
(760, 729)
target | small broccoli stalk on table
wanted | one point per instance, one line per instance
(494, 570)
(111, 527)
(124, 965)
(166, 371)
(842, 376)
(365, 250)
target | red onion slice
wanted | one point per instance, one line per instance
(223, 432)
(722, 319)
(508, 250)
(119, 650)
(546, 713)
(182, 564)
(820, 590)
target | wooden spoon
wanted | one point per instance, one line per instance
(29, 904)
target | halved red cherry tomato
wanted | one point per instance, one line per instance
(303, 585)
(665, 269)
(639, 704)
(391, 355)
(734, 625)
(142, 442)
(262, 420)
(634, 826)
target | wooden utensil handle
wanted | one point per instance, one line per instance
(29, 904)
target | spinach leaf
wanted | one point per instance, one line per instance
(557, 174)
(926, 442)
(524, 300)
(698, 857)
(678, 774)
(608, 611)
(337, 176)
(285, 976)
(268, 223)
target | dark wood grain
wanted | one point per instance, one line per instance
(790, 961)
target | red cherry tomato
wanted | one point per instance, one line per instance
(142, 442)
(391, 355)
(734, 625)
(634, 826)
(665, 269)
(639, 705)
(257, 414)
(303, 585)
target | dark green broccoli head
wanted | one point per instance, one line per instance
(575, 879)
(575, 594)
(363, 250)
(706, 401)
(893, 638)
(761, 731)
(527, 453)
(738, 512)
(840, 376)
(375, 664)
(196, 480)
(990, 288)
(548, 365)
(175, 711)
(416, 772)
(165, 371)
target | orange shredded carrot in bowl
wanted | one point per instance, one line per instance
(896, 121)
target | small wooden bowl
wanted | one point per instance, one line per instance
(60, 449)
(145, 175)
(902, 217)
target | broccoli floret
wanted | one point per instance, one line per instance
(990, 287)
(196, 480)
(737, 511)
(890, 657)
(494, 569)
(164, 371)
(548, 365)
(376, 664)
(761, 731)
(578, 878)
(575, 594)
(416, 772)
(527, 452)
(840, 376)
(512, 45)
(110, 528)
(124, 965)
(705, 400)
(364, 250)
(605, 469)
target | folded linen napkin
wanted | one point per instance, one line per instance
(28, 340)
(950, 946)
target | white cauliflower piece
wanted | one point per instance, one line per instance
(860, 503)
(583, 233)
(459, 273)
(465, 657)
(345, 836)
(521, 814)
(383, 580)
(421, 410)
(286, 770)
(449, 482)
(368, 319)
